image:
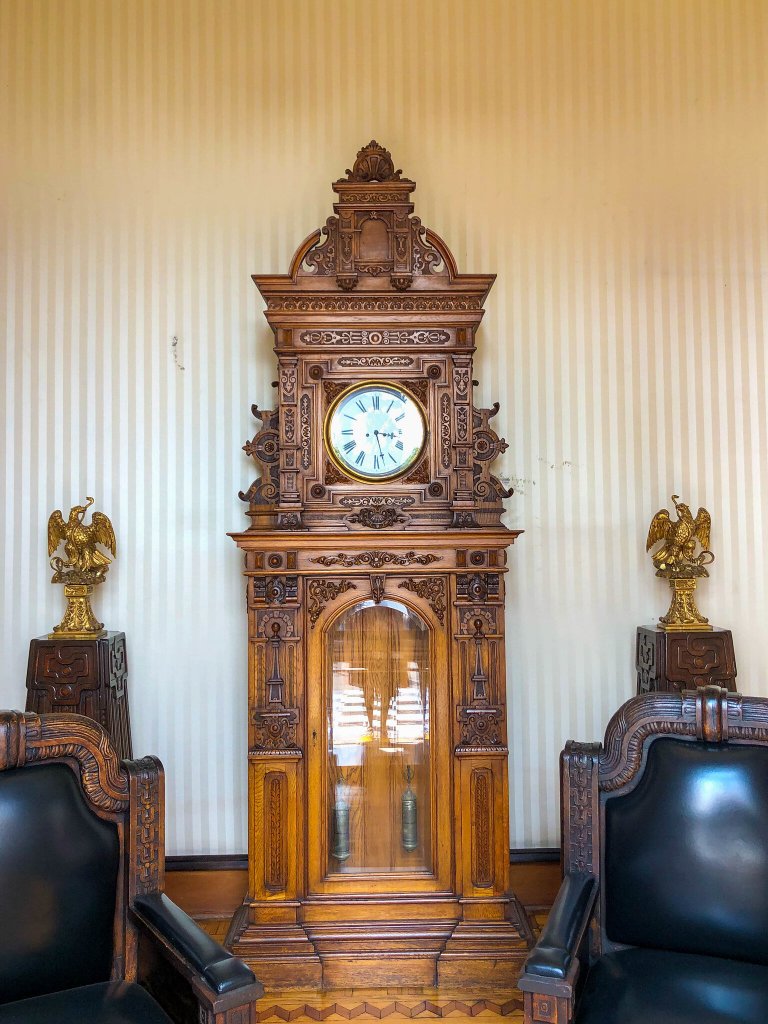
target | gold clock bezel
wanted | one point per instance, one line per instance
(364, 477)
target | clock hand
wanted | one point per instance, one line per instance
(378, 440)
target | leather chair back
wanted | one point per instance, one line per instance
(58, 882)
(686, 861)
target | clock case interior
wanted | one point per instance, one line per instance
(347, 576)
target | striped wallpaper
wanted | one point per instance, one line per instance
(608, 159)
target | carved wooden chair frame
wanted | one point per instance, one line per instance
(589, 772)
(131, 794)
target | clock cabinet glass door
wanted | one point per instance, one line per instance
(378, 694)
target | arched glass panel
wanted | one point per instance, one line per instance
(378, 704)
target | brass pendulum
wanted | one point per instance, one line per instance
(409, 814)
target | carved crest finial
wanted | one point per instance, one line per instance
(373, 163)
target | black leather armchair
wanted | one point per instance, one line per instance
(87, 935)
(662, 917)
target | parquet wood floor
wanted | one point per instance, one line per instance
(393, 1005)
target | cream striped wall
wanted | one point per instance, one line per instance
(608, 159)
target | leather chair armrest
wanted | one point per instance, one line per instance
(555, 951)
(223, 972)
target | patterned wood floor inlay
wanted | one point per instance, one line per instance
(378, 1005)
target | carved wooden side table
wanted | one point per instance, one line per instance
(684, 660)
(82, 677)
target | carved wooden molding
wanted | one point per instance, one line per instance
(375, 362)
(27, 738)
(384, 337)
(367, 304)
(305, 431)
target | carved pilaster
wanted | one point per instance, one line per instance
(580, 810)
(145, 829)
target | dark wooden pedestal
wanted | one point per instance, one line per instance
(684, 660)
(82, 677)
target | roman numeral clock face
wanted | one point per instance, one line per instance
(375, 431)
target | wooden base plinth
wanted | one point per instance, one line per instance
(82, 677)
(685, 659)
(334, 952)
(281, 955)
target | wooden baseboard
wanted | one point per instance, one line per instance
(214, 887)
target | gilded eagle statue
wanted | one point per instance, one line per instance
(82, 557)
(677, 561)
(82, 567)
(676, 556)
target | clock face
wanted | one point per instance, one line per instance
(375, 431)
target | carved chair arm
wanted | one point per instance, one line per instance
(208, 982)
(221, 970)
(554, 952)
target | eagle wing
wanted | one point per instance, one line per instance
(701, 527)
(103, 532)
(659, 528)
(56, 531)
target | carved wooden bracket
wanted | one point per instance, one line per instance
(377, 588)
(264, 449)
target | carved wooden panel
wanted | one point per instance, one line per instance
(276, 831)
(481, 790)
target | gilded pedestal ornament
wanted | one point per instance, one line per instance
(83, 567)
(676, 560)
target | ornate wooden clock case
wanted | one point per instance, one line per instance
(375, 562)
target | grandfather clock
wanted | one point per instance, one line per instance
(375, 562)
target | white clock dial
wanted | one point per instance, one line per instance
(375, 431)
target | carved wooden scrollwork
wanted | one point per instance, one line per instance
(376, 559)
(711, 713)
(487, 446)
(321, 592)
(25, 738)
(432, 589)
(382, 517)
